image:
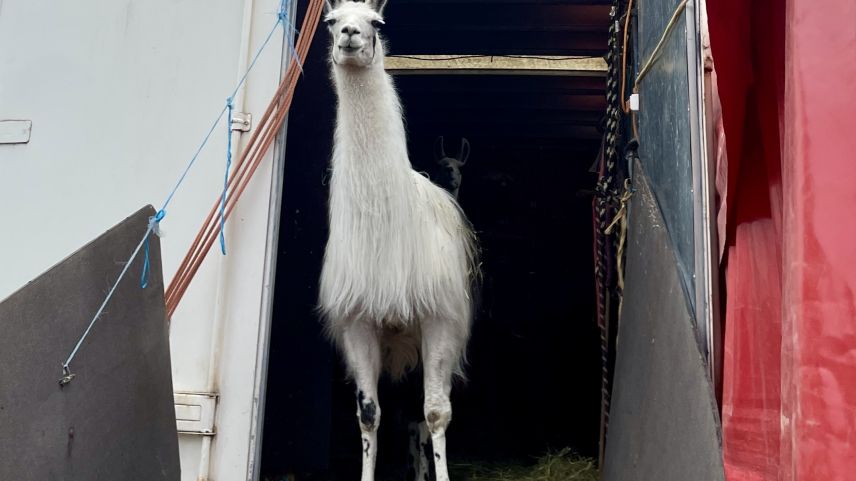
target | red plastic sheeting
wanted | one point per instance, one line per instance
(785, 74)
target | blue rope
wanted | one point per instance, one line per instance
(154, 221)
(283, 19)
(282, 16)
(162, 212)
(230, 108)
(67, 376)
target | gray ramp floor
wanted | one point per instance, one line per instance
(115, 420)
(663, 420)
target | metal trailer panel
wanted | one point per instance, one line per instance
(673, 147)
(663, 419)
(664, 128)
(139, 85)
(115, 419)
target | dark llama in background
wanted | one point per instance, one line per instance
(449, 175)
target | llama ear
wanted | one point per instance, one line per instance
(378, 5)
(328, 7)
(439, 150)
(464, 154)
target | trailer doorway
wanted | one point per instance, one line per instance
(534, 373)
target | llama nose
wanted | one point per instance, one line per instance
(351, 30)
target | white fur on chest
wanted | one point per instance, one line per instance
(397, 242)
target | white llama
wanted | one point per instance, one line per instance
(400, 259)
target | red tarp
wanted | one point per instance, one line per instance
(787, 193)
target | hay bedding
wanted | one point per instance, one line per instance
(561, 466)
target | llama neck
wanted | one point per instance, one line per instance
(369, 129)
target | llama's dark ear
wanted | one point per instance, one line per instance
(464, 154)
(328, 6)
(439, 150)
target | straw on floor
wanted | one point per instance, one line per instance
(560, 466)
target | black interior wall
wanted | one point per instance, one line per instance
(533, 379)
(534, 358)
(298, 404)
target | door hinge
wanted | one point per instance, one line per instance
(242, 121)
(194, 412)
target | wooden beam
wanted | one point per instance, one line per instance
(505, 2)
(494, 65)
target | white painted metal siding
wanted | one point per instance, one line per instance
(120, 94)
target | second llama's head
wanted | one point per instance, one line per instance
(354, 30)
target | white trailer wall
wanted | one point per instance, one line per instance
(120, 94)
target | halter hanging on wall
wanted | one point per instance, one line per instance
(611, 192)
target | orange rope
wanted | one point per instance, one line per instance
(629, 10)
(269, 126)
(195, 251)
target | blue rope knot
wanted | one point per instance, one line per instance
(286, 27)
(153, 228)
(154, 221)
(282, 15)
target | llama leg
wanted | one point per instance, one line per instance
(440, 356)
(412, 452)
(361, 343)
(424, 454)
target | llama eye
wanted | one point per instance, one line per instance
(330, 22)
(377, 24)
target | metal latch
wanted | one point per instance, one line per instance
(242, 121)
(194, 412)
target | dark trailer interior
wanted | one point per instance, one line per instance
(534, 358)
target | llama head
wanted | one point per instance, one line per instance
(354, 30)
(452, 164)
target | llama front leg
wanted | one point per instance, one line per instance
(440, 355)
(361, 343)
